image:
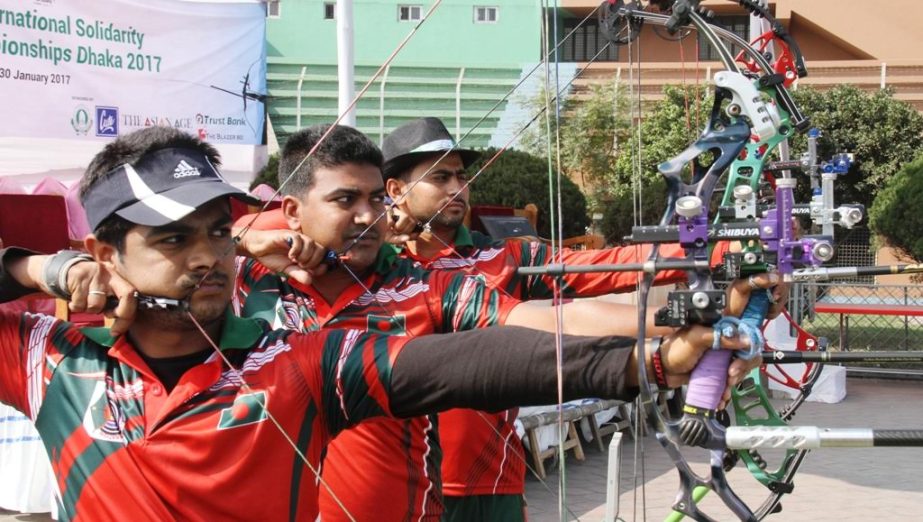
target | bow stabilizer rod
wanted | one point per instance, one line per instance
(812, 437)
(798, 356)
(559, 269)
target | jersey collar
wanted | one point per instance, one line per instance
(463, 240)
(463, 237)
(236, 333)
(387, 256)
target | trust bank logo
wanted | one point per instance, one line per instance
(107, 121)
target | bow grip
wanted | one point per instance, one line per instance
(709, 378)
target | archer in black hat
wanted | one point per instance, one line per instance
(419, 140)
(426, 176)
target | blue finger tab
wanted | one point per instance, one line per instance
(749, 325)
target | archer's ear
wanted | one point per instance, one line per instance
(101, 251)
(395, 188)
(292, 209)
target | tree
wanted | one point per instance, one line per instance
(895, 215)
(591, 126)
(592, 132)
(517, 178)
(534, 138)
(268, 174)
(883, 133)
(666, 130)
(600, 148)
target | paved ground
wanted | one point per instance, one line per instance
(862, 484)
(833, 484)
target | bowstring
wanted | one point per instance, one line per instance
(562, 475)
(562, 507)
(635, 115)
(557, 290)
(559, 325)
(238, 376)
(541, 112)
(557, 235)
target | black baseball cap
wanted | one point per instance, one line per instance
(407, 144)
(163, 186)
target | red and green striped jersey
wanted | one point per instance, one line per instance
(124, 449)
(497, 261)
(483, 455)
(383, 469)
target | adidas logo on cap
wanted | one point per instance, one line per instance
(184, 170)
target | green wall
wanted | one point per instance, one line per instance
(448, 38)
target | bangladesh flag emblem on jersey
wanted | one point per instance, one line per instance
(388, 325)
(248, 408)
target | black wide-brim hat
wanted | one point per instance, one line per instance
(409, 143)
(162, 187)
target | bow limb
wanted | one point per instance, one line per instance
(750, 399)
(752, 407)
(626, 19)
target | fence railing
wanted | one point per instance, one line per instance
(304, 94)
(878, 323)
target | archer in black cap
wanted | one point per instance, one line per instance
(161, 221)
(155, 184)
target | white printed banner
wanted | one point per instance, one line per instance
(95, 70)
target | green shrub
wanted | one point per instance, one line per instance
(516, 179)
(268, 174)
(895, 215)
(883, 133)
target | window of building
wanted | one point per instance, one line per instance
(273, 8)
(739, 25)
(409, 13)
(586, 43)
(485, 14)
(330, 9)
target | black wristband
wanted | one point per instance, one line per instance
(55, 270)
(11, 289)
